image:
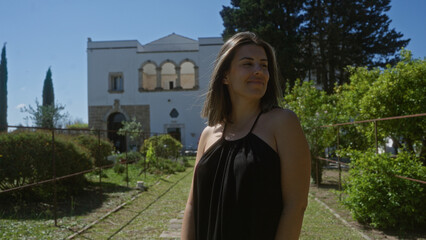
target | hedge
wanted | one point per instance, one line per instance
(99, 149)
(26, 157)
(376, 197)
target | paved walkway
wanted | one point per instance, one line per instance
(173, 231)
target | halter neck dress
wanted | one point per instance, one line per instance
(237, 190)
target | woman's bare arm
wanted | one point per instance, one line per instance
(294, 155)
(188, 223)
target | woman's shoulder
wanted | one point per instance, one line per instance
(212, 130)
(210, 135)
(281, 117)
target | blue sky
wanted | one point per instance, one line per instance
(53, 33)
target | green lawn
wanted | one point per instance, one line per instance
(320, 223)
(146, 216)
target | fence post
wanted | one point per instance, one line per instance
(100, 167)
(317, 171)
(338, 160)
(144, 159)
(54, 177)
(127, 164)
(375, 136)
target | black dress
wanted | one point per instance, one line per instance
(237, 190)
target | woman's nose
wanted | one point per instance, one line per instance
(257, 68)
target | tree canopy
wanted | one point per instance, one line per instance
(48, 116)
(394, 91)
(277, 22)
(318, 39)
(371, 94)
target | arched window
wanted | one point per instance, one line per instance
(187, 75)
(168, 76)
(149, 77)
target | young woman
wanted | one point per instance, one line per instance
(251, 178)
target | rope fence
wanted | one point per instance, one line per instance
(340, 163)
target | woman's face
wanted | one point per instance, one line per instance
(248, 75)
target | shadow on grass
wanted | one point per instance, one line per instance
(328, 186)
(84, 202)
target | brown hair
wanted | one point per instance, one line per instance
(217, 107)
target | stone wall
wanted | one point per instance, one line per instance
(98, 115)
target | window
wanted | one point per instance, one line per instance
(168, 74)
(187, 75)
(116, 82)
(149, 77)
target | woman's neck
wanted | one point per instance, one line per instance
(244, 111)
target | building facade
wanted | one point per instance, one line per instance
(160, 84)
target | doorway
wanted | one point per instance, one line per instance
(114, 124)
(175, 133)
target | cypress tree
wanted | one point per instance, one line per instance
(48, 104)
(3, 90)
(48, 95)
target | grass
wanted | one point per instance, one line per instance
(148, 215)
(320, 223)
(329, 194)
(35, 221)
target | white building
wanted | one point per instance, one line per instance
(161, 84)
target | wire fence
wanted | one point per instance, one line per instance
(340, 165)
(101, 135)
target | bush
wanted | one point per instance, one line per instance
(376, 197)
(131, 157)
(119, 168)
(165, 166)
(99, 151)
(165, 146)
(26, 157)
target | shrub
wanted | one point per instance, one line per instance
(26, 157)
(376, 197)
(99, 150)
(164, 146)
(165, 166)
(119, 168)
(78, 126)
(131, 157)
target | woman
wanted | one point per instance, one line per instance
(251, 178)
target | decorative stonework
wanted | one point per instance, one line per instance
(98, 115)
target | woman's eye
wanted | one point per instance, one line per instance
(247, 64)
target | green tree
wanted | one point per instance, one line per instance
(3, 90)
(393, 91)
(45, 116)
(48, 95)
(277, 22)
(133, 129)
(317, 39)
(338, 33)
(314, 108)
